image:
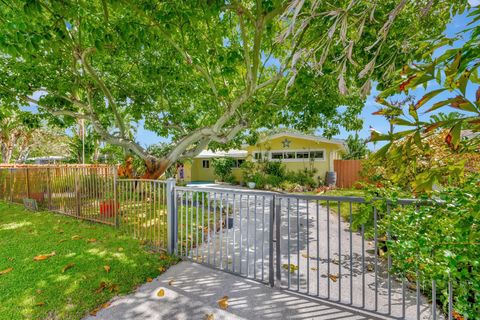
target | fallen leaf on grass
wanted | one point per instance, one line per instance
(110, 287)
(149, 279)
(223, 303)
(101, 287)
(333, 277)
(38, 291)
(163, 256)
(5, 271)
(60, 231)
(68, 266)
(457, 316)
(94, 311)
(40, 304)
(160, 293)
(114, 287)
(76, 237)
(11, 259)
(61, 240)
(92, 240)
(44, 256)
(162, 269)
(103, 306)
(170, 282)
(107, 268)
(120, 249)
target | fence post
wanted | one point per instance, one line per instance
(278, 218)
(271, 269)
(11, 185)
(49, 189)
(28, 183)
(116, 205)
(171, 216)
(77, 193)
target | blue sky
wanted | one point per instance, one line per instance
(458, 24)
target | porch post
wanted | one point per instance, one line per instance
(171, 216)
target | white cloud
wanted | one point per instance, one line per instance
(474, 2)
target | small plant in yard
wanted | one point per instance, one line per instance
(222, 167)
(56, 267)
(268, 174)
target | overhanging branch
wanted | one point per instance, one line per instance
(105, 90)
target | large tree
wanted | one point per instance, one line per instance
(206, 72)
(23, 135)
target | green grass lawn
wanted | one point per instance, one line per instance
(40, 290)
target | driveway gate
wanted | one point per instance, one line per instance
(301, 243)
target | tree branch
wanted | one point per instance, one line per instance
(105, 90)
(246, 53)
(202, 144)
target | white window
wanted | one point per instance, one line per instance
(303, 155)
(206, 164)
(238, 163)
(289, 155)
(277, 155)
(317, 155)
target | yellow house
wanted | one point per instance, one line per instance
(296, 151)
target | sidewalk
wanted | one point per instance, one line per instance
(195, 290)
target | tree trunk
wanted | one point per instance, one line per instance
(155, 168)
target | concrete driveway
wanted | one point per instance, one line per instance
(192, 291)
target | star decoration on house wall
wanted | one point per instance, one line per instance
(286, 143)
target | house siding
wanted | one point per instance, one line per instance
(332, 151)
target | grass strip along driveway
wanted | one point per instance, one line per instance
(57, 267)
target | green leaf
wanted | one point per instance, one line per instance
(461, 103)
(441, 104)
(402, 122)
(383, 150)
(427, 97)
(462, 82)
(413, 112)
(453, 136)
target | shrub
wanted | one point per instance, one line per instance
(222, 167)
(249, 170)
(274, 168)
(441, 242)
(304, 178)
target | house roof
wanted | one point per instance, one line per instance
(233, 153)
(302, 136)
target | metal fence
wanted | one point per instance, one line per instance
(93, 193)
(307, 244)
(227, 229)
(303, 243)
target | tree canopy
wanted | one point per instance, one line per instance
(206, 72)
(456, 74)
